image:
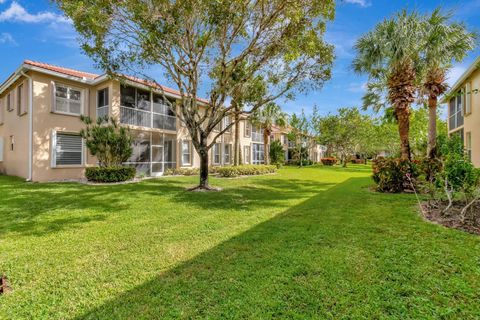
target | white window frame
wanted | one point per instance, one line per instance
(248, 126)
(248, 159)
(54, 151)
(217, 146)
(189, 144)
(226, 147)
(54, 99)
(226, 122)
(108, 101)
(8, 102)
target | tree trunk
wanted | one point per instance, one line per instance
(204, 170)
(432, 127)
(236, 157)
(266, 156)
(403, 118)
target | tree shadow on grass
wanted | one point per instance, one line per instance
(271, 193)
(42, 208)
(335, 255)
(276, 269)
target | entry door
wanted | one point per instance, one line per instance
(157, 160)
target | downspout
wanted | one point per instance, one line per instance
(30, 125)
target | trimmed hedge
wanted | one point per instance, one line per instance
(328, 161)
(245, 170)
(110, 174)
(182, 172)
(394, 175)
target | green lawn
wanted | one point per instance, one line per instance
(305, 243)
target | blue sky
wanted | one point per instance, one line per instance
(36, 30)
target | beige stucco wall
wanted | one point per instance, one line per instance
(46, 122)
(472, 120)
(15, 162)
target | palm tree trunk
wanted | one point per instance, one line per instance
(403, 118)
(432, 127)
(266, 134)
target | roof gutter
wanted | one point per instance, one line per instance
(30, 125)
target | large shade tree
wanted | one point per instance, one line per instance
(265, 118)
(444, 42)
(215, 44)
(390, 55)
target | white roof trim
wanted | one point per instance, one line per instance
(462, 79)
(26, 67)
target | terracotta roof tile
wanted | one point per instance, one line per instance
(66, 71)
(93, 76)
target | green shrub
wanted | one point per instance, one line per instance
(394, 174)
(245, 170)
(107, 140)
(213, 169)
(328, 161)
(110, 174)
(182, 172)
(277, 154)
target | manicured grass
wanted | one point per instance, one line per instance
(305, 243)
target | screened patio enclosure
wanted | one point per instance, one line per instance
(153, 153)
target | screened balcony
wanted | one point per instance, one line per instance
(144, 109)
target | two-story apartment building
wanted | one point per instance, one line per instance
(40, 108)
(463, 101)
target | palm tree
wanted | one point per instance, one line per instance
(265, 118)
(389, 54)
(444, 42)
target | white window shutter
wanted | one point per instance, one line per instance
(53, 96)
(468, 98)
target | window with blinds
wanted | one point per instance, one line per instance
(68, 149)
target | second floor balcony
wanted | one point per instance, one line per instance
(142, 118)
(143, 108)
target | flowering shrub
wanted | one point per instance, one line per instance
(394, 174)
(245, 170)
(328, 161)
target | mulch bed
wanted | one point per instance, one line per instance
(433, 212)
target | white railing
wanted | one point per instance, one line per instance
(162, 121)
(102, 112)
(141, 118)
(257, 137)
(135, 117)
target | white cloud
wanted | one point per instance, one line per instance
(6, 38)
(17, 13)
(361, 3)
(454, 74)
